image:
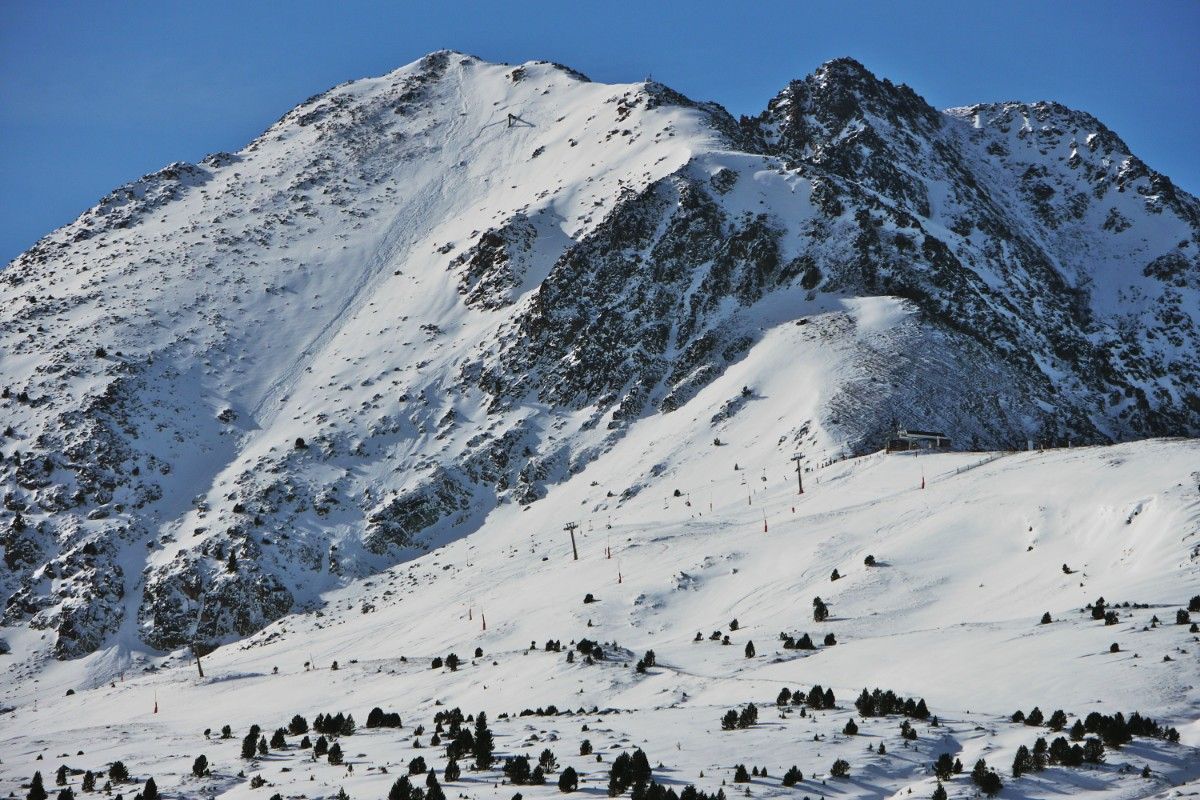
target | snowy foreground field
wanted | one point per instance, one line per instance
(951, 612)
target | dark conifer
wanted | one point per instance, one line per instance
(249, 745)
(36, 790)
(1023, 762)
(483, 743)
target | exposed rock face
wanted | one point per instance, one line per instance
(232, 385)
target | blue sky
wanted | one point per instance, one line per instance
(96, 94)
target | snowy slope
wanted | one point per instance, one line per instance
(446, 310)
(964, 570)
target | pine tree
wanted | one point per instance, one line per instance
(249, 745)
(433, 789)
(262, 746)
(60, 777)
(298, 725)
(89, 781)
(321, 747)
(402, 789)
(943, 767)
(939, 793)
(36, 790)
(820, 610)
(840, 768)
(585, 747)
(1035, 717)
(278, 742)
(792, 776)
(452, 772)
(851, 729)
(1058, 720)
(483, 743)
(117, 773)
(568, 781)
(200, 766)
(150, 792)
(740, 775)
(1023, 762)
(749, 649)
(335, 754)
(1077, 731)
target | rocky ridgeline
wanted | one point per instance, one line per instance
(206, 423)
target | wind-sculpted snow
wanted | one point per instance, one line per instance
(420, 299)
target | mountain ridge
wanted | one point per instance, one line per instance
(420, 297)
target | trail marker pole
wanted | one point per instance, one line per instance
(799, 472)
(570, 528)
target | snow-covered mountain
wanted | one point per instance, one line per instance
(472, 299)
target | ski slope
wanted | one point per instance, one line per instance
(965, 569)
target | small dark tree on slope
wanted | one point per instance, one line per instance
(483, 743)
(36, 790)
(820, 610)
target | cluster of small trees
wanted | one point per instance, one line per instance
(592, 651)
(629, 772)
(117, 774)
(336, 725)
(451, 661)
(548, 711)
(988, 780)
(805, 641)
(740, 775)
(883, 703)
(646, 662)
(1114, 730)
(378, 718)
(403, 789)
(733, 719)
(816, 698)
(1101, 611)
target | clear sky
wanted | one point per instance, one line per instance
(96, 94)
